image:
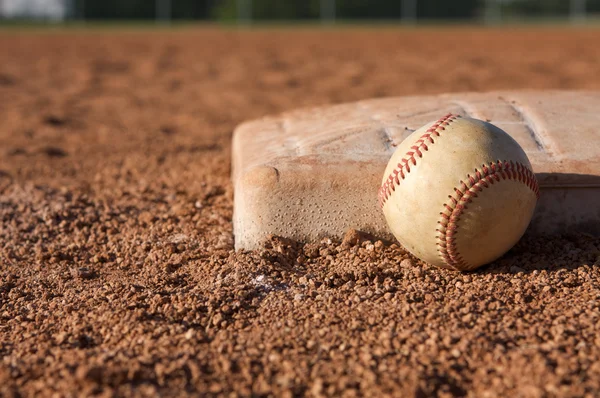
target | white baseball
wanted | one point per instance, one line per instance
(458, 193)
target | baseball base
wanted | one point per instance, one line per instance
(458, 193)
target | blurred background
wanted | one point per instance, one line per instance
(328, 11)
(87, 101)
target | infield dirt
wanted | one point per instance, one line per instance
(117, 269)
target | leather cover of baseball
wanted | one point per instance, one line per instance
(458, 193)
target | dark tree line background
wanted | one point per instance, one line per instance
(309, 9)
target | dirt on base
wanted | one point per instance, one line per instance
(117, 269)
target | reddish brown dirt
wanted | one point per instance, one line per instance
(117, 269)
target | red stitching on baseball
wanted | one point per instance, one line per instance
(501, 170)
(403, 167)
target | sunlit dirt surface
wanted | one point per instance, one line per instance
(117, 268)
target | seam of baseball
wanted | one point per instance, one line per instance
(403, 167)
(465, 193)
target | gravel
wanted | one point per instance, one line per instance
(118, 275)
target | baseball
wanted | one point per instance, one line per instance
(458, 193)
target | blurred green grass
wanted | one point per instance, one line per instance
(18, 26)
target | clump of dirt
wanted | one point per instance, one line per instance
(117, 268)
